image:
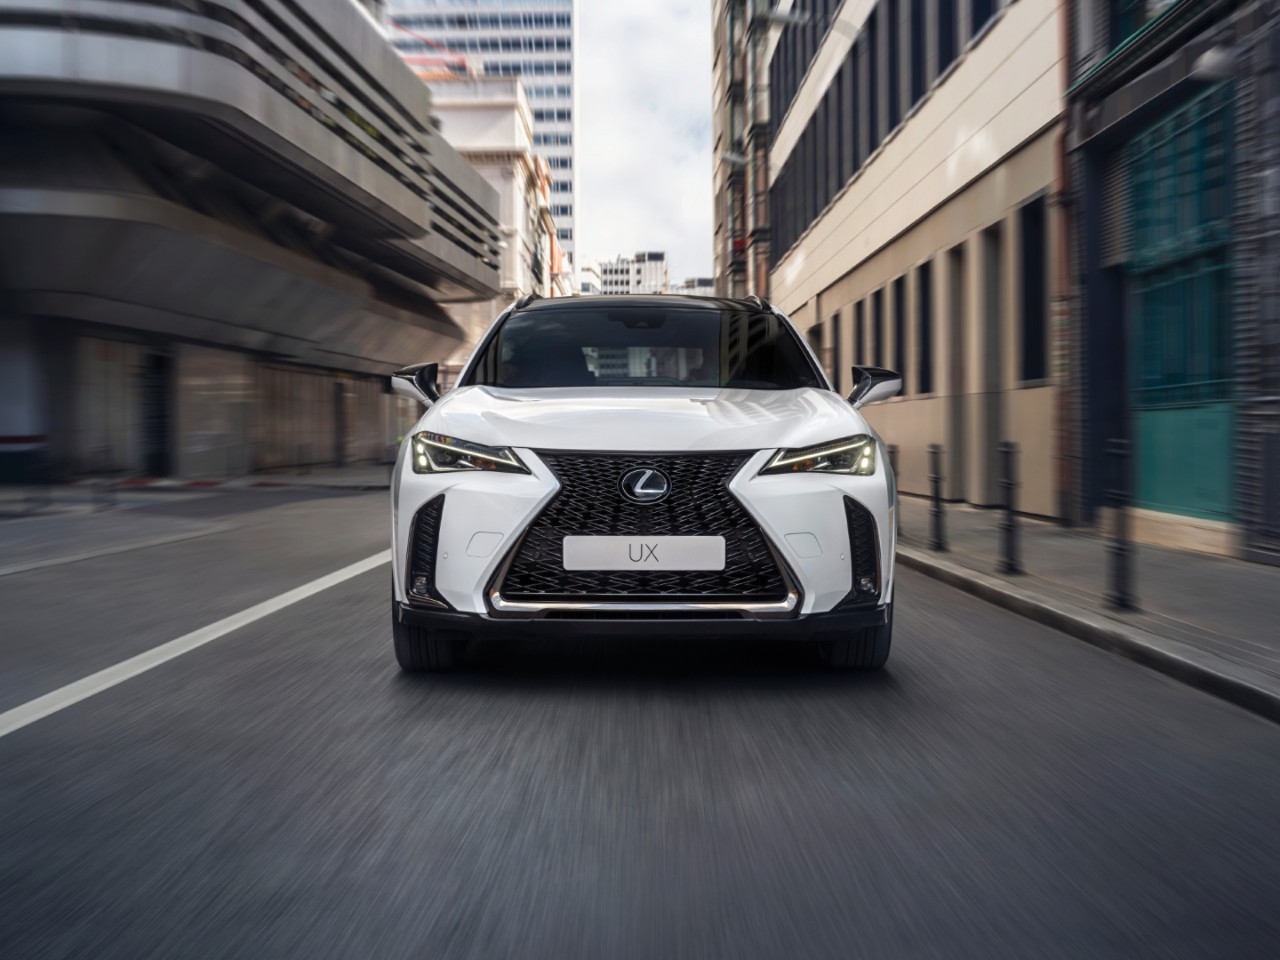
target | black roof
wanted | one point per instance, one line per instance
(665, 300)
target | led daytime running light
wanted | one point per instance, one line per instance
(434, 453)
(852, 455)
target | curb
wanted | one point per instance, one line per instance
(1245, 687)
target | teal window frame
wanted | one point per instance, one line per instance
(1179, 262)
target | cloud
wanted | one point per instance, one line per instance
(643, 77)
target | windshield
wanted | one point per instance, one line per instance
(644, 346)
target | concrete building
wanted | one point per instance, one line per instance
(489, 122)
(912, 166)
(1174, 182)
(530, 39)
(646, 272)
(219, 232)
(695, 287)
(741, 138)
(589, 279)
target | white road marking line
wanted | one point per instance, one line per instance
(63, 697)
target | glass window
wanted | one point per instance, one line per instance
(893, 12)
(900, 330)
(646, 346)
(1035, 297)
(983, 11)
(848, 120)
(1179, 264)
(859, 334)
(873, 82)
(1130, 16)
(877, 327)
(948, 15)
(915, 33)
(924, 327)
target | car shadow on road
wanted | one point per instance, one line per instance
(525, 666)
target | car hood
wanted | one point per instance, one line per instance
(666, 419)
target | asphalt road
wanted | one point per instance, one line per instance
(998, 791)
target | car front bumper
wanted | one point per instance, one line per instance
(833, 625)
(801, 516)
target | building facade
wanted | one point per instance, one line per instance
(589, 283)
(741, 138)
(1174, 147)
(646, 272)
(695, 287)
(530, 39)
(488, 120)
(212, 254)
(914, 152)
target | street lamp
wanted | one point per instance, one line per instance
(1215, 64)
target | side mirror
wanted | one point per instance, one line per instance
(419, 382)
(874, 383)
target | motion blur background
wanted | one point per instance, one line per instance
(1058, 220)
(224, 223)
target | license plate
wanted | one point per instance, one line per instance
(644, 553)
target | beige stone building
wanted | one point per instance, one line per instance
(915, 147)
(488, 120)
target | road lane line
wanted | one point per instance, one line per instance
(63, 697)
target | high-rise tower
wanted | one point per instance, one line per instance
(530, 39)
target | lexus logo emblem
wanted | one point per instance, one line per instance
(645, 485)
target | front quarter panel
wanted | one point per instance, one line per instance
(787, 506)
(500, 504)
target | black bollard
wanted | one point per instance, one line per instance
(1120, 550)
(1009, 559)
(939, 538)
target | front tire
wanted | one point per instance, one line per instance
(865, 649)
(419, 649)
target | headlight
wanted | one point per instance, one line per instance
(853, 455)
(433, 453)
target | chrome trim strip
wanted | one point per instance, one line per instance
(775, 608)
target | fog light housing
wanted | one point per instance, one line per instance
(864, 556)
(420, 587)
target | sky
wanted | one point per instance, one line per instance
(643, 78)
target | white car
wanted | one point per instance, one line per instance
(643, 466)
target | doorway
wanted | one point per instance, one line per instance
(156, 414)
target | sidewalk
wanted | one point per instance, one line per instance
(1206, 620)
(352, 476)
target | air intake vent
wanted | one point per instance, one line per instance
(864, 555)
(421, 586)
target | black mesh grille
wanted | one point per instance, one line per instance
(590, 504)
(863, 552)
(422, 557)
